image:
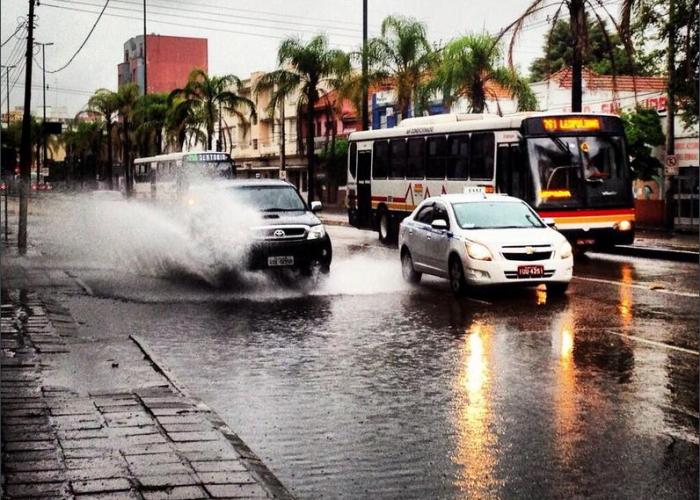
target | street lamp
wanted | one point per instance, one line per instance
(43, 123)
(7, 87)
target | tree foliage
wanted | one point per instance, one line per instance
(652, 24)
(205, 94)
(471, 67)
(305, 70)
(643, 131)
(400, 57)
(604, 53)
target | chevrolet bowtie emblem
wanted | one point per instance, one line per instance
(529, 250)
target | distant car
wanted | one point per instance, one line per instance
(478, 239)
(288, 234)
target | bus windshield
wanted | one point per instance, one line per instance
(579, 171)
(209, 169)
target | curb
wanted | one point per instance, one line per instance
(655, 253)
(255, 466)
(332, 222)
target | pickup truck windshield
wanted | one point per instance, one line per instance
(270, 198)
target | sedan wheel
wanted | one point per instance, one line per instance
(407, 270)
(457, 282)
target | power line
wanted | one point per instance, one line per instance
(22, 25)
(215, 18)
(84, 41)
(171, 23)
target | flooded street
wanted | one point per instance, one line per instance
(385, 390)
(366, 387)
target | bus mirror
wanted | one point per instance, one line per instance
(550, 222)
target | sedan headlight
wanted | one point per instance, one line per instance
(565, 250)
(316, 232)
(477, 251)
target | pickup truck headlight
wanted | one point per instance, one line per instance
(565, 250)
(478, 251)
(316, 232)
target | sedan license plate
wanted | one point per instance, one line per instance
(283, 260)
(530, 271)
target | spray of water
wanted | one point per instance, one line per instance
(204, 242)
(205, 239)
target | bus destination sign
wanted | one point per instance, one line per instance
(570, 124)
(208, 157)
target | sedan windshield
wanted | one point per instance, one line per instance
(495, 215)
(270, 198)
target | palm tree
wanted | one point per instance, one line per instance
(151, 113)
(127, 100)
(82, 139)
(577, 10)
(105, 102)
(206, 94)
(309, 69)
(470, 65)
(401, 54)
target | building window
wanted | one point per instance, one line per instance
(255, 144)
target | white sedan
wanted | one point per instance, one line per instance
(480, 239)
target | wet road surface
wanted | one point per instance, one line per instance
(368, 387)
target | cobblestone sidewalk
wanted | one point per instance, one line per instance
(146, 442)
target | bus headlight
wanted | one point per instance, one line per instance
(316, 232)
(565, 250)
(477, 251)
(625, 225)
(191, 202)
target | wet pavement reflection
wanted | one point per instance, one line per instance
(409, 392)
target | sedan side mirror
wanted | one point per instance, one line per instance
(316, 206)
(440, 224)
(550, 222)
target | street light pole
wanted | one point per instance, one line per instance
(365, 83)
(43, 123)
(7, 88)
(145, 52)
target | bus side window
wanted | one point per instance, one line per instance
(513, 176)
(458, 160)
(437, 153)
(398, 159)
(352, 160)
(482, 156)
(380, 160)
(415, 165)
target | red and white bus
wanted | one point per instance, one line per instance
(571, 167)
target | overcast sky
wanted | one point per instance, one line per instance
(243, 35)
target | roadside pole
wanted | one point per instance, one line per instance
(25, 151)
(365, 83)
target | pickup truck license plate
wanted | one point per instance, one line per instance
(282, 260)
(530, 271)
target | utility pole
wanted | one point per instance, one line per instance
(145, 51)
(283, 143)
(43, 122)
(25, 150)
(670, 108)
(578, 25)
(7, 88)
(365, 83)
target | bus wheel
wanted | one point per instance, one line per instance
(385, 228)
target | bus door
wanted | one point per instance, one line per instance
(512, 173)
(364, 188)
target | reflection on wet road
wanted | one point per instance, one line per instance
(369, 388)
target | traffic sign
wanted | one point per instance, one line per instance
(671, 165)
